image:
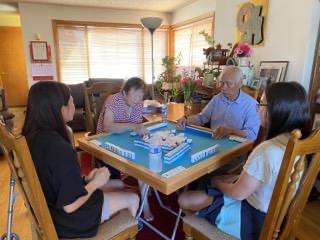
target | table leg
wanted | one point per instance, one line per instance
(138, 217)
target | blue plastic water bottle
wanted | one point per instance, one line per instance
(164, 113)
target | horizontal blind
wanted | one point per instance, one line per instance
(190, 43)
(199, 43)
(160, 39)
(115, 52)
(108, 52)
(73, 59)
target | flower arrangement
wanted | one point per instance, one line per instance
(243, 50)
(189, 85)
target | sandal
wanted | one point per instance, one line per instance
(139, 225)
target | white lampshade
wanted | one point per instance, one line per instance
(152, 23)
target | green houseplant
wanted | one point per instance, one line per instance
(167, 84)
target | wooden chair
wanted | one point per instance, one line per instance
(285, 208)
(94, 97)
(121, 226)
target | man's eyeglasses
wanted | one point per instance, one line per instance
(260, 105)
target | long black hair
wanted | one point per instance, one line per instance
(288, 109)
(45, 101)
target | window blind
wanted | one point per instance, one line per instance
(108, 52)
(190, 43)
(73, 58)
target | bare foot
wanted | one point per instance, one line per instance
(147, 213)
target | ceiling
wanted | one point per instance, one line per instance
(151, 5)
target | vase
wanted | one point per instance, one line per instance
(187, 107)
(243, 62)
(208, 79)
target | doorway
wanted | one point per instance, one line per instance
(13, 76)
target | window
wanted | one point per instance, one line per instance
(190, 43)
(108, 52)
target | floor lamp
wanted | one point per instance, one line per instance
(151, 23)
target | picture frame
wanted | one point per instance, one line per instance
(39, 51)
(274, 70)
(316, 121)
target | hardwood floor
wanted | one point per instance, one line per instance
(309, 228)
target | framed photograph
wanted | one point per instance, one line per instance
(39, 51)
(316, 121)
(276, 70)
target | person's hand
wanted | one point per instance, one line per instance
(220, 132)
(90, 176)
(182, 122)
(141, 129)
(101, 176)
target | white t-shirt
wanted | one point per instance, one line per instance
(264, 164)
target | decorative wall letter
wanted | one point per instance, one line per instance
(250, 20)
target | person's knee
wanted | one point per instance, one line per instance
(134, 199)
(184, 201)
(119, 184)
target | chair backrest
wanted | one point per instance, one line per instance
(21, 166)
(3, 100)
(94, 97)
(286, 205)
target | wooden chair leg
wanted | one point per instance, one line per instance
(187, 231)
(34, 233)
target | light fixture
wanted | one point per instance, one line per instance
(151, 23)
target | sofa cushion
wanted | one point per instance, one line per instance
(115, 81)
(77, 94)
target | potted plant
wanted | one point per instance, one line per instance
(167, 84)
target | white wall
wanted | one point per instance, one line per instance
(37, 19)
(194, 9)
(290, 34)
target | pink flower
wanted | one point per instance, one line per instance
(243, 50)
(189, 85)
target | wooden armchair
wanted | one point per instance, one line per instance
(121, 226)
(94, 97)
(285, 208)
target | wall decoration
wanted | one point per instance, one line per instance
(275, 70)
(316, 121)
(250, 21)
(39, 51)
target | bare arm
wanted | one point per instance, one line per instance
(239, 190)
(101, 177)
(110, 126)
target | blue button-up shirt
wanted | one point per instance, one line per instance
(240, 114)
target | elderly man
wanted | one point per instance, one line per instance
(231, 112)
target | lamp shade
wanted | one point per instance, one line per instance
(152, 23)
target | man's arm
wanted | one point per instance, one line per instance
(252, 122)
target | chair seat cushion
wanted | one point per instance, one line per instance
(6, 115)
(206, 228)
(115, 225)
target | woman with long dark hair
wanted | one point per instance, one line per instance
(239, 205)
(77, 205)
